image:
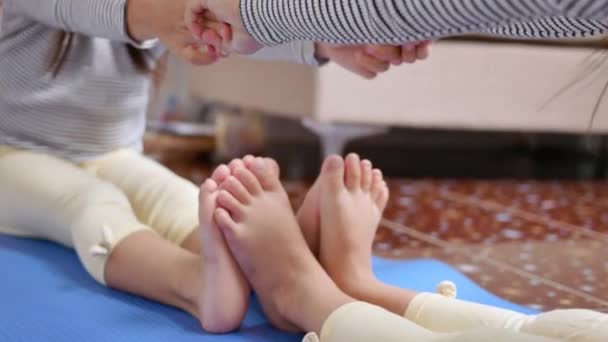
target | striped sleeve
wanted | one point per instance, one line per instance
(551, 28)
(98, 18)
(273, 22)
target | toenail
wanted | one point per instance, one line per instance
(240, 171)
(334, 163)
(258, 164)
(209, 185)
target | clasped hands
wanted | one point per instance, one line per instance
(203, 32)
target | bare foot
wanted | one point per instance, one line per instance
(225, 292)
(309, 213)
(262, 232)
(220, 173)
(193, 241)
(309, 216)
(353, 198)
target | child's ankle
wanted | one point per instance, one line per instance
(187, 284)
(357, 283)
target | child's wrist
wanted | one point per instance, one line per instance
(138, 25)
(321, 51)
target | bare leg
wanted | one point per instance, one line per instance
(172, 277)
(308, 216)
(353, 198)
(292, 286)
(210, 286)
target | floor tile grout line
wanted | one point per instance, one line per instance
(494, 206)
(531, 276)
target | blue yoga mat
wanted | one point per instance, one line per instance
(45, 295)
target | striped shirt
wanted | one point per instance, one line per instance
(97, 103)
(274, 22)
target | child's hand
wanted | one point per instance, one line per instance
(396, 55)
(147, 19)
(370, 60)
(203, 18)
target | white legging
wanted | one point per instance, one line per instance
(436, 318)
(93, 206)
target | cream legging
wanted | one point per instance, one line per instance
(93, 206)
(436, 318)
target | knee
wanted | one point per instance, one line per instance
(100, 217)
(87, 196)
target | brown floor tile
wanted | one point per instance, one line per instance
(582, 265)
(499, 278)
(467, 224)
(583, 204)
(545, 252)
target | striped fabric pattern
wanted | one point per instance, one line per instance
(96, 104)
(98, 101)
(274, 22)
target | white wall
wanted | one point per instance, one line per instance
(464, 85)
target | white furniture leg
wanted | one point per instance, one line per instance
(603, 158)
(335, 136)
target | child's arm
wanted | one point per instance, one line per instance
(364, 60)
(100, 18)
(398, 21)
(271, 22)
(138, 22)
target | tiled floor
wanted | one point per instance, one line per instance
(531, 243)
(540, 244)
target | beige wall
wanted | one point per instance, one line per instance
(283, 88)
(462, 85)
(600, 123)
(472, 86)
